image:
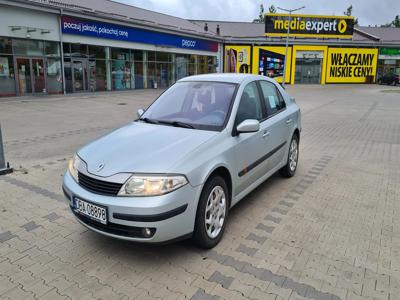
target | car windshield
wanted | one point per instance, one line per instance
(200, 105)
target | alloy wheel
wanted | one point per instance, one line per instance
(293, 155)
(215, 212)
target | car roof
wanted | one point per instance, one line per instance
(225, 77)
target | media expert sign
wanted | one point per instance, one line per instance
(309, 25)
(116, 32)
(350, 64)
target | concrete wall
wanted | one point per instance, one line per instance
(13, 16)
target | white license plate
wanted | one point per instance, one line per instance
(90, 210)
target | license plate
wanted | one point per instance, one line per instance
(90, 210)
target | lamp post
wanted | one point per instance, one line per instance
(287, 39)
(4, 167)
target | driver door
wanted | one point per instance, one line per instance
(249, 146)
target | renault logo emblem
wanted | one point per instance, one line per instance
(342, 26)
(100, 167)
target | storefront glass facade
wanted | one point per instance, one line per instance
(34, 67)
(97, 68)
(29, 67)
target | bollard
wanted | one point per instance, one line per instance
(4, 167)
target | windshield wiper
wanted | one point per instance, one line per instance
(150, 121)
(177, 124)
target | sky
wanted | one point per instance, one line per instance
(368, 12)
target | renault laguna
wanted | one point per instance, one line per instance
(195, 152)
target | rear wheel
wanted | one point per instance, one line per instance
(293, 156)
(212, 213)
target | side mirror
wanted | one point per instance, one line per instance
(292, 100)
(140, 112)
(248, 125)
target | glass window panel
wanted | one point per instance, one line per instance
(5, 45)
(121, 75)
(192, 59)
(28, 47)
(271, 97)
(100, 74)
(137, 55)
(120, 54)
(78, 50)
(66, 49)
(151, 56)
(192, 69)
(52, 48)
(68, 75)
(181, 69)
(162, 56)
(7, 76)
(151, 74)
(54, 76)
(97, 52)
(138, 77)
(250, 105)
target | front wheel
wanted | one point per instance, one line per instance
(212, 213)
(292, 160)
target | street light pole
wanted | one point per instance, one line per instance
(287, 40)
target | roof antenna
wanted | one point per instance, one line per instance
(205, 27)
(218, 30)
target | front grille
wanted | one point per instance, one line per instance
(113, 228)
(98, 186)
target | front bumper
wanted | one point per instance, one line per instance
(171, 216)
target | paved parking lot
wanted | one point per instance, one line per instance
(330, 232)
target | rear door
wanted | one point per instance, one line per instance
(276, 126)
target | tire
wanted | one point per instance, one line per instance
(292, 160)
(203, 231)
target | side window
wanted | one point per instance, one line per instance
(272, 98)
(250, 105)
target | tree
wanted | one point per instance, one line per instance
(260, 16)
(394, 23)
(349, 12)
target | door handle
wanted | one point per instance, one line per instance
(288, 121)
(266, 134)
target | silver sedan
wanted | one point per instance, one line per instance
(195, 152)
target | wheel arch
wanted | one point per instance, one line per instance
(223, 172)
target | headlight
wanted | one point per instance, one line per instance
(73, 166)
(152, 185)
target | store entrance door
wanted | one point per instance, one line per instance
(308, 67)
(79, 76)
(308, 70)
(30, 76)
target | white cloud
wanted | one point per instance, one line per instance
(369, 12)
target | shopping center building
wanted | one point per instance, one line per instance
(69, 46)
(359, 57)
(101, 46)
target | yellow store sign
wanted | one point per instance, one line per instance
(237, 59)
(351, 65)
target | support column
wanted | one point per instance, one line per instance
(108, 69)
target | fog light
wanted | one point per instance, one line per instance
(147, 232)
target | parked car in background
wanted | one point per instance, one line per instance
(389, 78)
(200, 148)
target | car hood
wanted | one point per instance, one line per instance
(141, 148)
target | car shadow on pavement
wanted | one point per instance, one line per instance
(153, 254)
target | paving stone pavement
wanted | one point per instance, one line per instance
(330, 232)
